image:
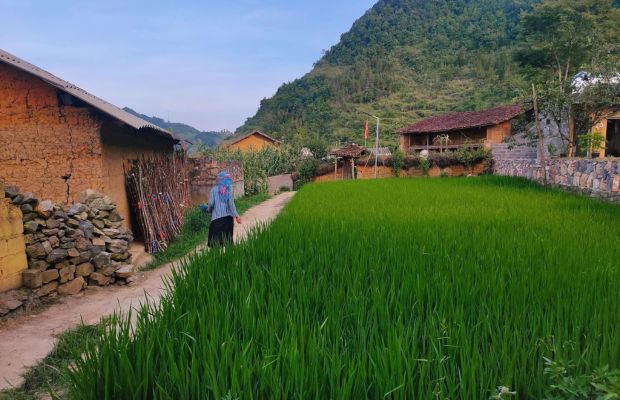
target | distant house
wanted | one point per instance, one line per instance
(472, 128)
(253, 141)
(609, 126)
(59, 140)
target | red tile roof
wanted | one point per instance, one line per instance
(464, 120)
(350, 151)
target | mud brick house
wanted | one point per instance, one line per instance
(58, 140)
(253, 141)
(472, 128)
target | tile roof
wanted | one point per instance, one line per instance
(350, 151)
(464, 120)
(94, 101)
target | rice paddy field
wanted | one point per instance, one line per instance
(398, 288)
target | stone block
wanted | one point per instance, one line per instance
(84, 269)
(39, 265)
(107, 270)
(72, 287)
(67, 273)
(32, 279)
(73, 252)
(124, 271)
(53, 223)
(49, 275)
(46, 289)
(102, 259)
(99, 279)
(36, 251)
(57, 255)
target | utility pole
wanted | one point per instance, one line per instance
(376, 142)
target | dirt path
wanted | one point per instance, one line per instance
(26, 340)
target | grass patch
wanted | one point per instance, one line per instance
(396, 288)
(51, 373)
(196, 230)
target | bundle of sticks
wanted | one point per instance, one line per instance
(158, 191)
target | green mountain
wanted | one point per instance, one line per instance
(184, 131)
(402, 60)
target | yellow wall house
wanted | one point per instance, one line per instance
(254, 141)
(12, 247)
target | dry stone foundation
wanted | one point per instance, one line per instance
(594, 177)
(71, 247)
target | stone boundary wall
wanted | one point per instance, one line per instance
(70, 247)
(594, 177)
(203, 175)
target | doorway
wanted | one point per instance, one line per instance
(613, 138)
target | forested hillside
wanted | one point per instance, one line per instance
(403, 60)
(184, 131)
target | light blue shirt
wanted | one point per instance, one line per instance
(219, 207)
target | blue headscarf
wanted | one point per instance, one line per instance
(224, 185)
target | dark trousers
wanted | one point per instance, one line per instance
(221, 231)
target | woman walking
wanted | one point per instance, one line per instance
(221, 205)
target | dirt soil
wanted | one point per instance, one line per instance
(27, 339)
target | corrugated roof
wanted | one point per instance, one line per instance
(259, 133)
(94, 101)
(464, 120)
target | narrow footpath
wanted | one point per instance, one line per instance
(26, 340)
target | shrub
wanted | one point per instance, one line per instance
(307, 171)
(195, 220)
(398, 162)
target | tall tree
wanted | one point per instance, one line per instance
(558, 38)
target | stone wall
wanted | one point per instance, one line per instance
(69, 248)
(594, 177)
(203, 176)
(50, 149)
(12, 248)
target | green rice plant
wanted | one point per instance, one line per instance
(396, 288)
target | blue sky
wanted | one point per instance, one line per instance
(206, 63)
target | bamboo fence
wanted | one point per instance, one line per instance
(158, 191)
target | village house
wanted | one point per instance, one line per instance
(253, 141)
(471, 128)
(59, 140)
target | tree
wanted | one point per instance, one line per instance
(558, 38)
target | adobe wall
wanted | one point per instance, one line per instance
(277, 182)
(12, 247)
(203, 176)
(368, 172)
(120, 144)
(498, 133)
(43, 141)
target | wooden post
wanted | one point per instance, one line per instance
(571, 132)
(541, 141)
(336, 169)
